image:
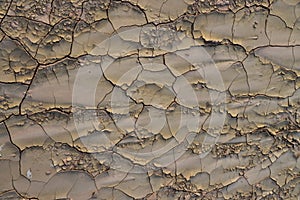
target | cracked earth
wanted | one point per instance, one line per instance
(149, 99)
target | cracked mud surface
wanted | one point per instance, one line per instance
(108, 99)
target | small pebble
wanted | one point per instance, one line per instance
(69, 158)
(47, 173)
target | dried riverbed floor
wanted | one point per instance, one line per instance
(98, 102)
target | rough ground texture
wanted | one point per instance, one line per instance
(57, 146)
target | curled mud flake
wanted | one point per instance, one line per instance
(125, 15)
(94, 10)
(25, 133)
(16, 64)
(281, 8)
(248, 36)
(287, 57)
(72, 184)
(213, 26)
(57, 43)
(160, 11)
(28, 33)
(11, 97)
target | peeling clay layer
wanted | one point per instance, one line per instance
(149, 99)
